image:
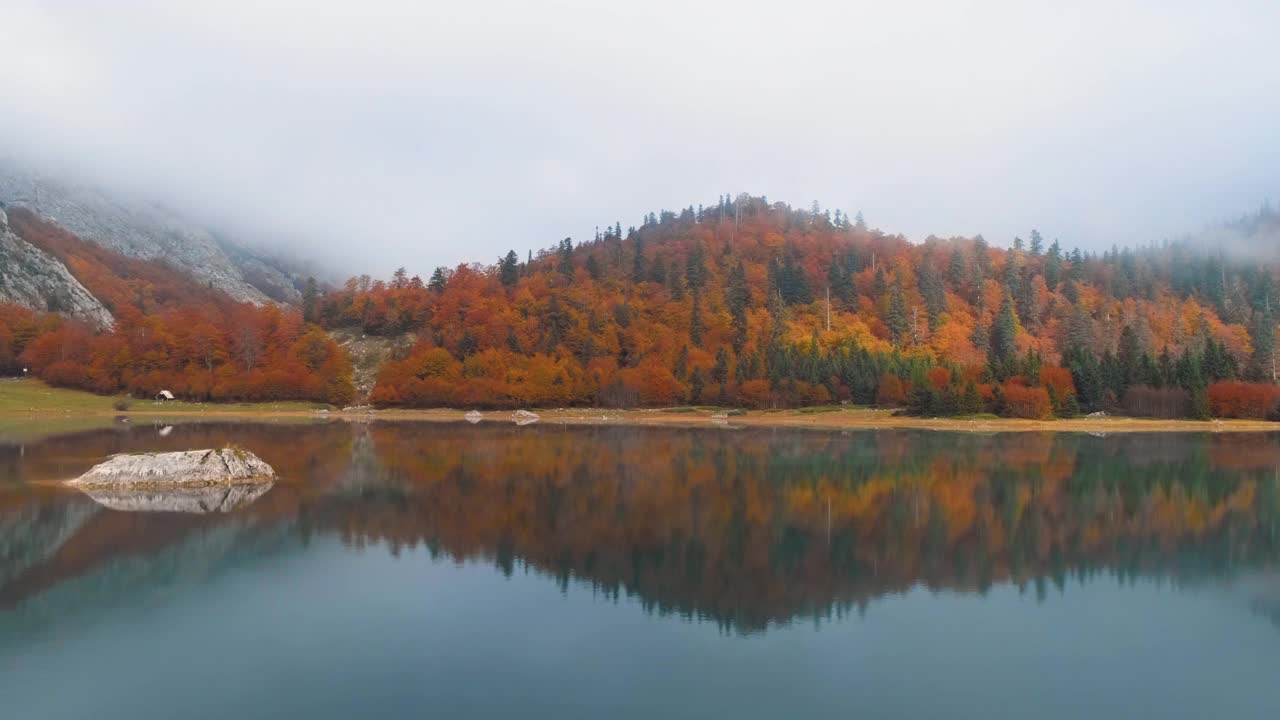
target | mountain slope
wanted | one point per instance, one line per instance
(167, 329)
(33, 279)
(147, 232)
(116, 280)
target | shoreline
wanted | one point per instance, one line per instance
(823, 419)
(27, 403)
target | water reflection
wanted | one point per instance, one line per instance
(197, 500)
(746, 528)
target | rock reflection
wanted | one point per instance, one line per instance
(199, 500)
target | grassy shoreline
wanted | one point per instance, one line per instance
(31, 396)
(23, 402)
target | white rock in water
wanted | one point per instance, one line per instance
(192, 468)
(524, 417)
(197, 500)
(473, 417)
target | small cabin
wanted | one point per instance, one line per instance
(164, 396)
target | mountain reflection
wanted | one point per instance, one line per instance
(743, 527)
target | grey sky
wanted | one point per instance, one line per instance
(424, 133)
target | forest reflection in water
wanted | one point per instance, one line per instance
(748, 528)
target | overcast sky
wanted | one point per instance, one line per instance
(384, 133)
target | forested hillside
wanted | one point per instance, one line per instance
(169, 331)
(743, 303)
(758, 304)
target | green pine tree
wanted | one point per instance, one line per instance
(638, 264)
(1053, 266)
(737, 297)
(957, 271)
(309, 297)
(695, 321)
(439, 279)
(681, 368)
(509, 269)
(899, 325)
(696, 267)
(1263, 364)
(720, 371)
(593, 268)
(564, 254)
(696, 386)
(1002, 354)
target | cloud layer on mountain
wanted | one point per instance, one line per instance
(394, 133)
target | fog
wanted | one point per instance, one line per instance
(378, 134)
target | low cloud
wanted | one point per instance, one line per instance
(395, 133)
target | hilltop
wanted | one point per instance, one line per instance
(754, 303)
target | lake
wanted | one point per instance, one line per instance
(440, 570)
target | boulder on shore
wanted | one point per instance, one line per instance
(524, 417)
(473, 417)
(191, 468)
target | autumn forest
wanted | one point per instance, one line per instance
(742, 303)
(759, 305)
(170, 332)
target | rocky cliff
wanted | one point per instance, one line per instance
(32, 278)
(140, 230)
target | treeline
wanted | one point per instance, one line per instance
(170, 332)
(762, 305)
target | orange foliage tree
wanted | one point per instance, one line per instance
(170, 332)
(1257, 401)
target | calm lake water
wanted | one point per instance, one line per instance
(452, 571)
